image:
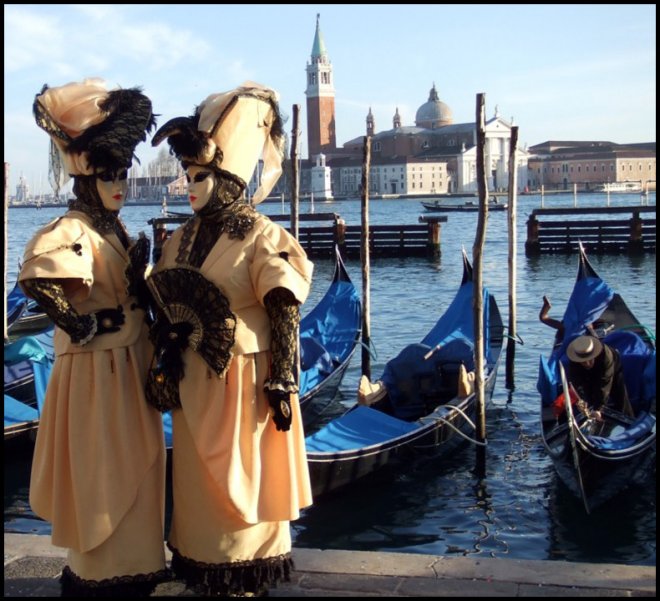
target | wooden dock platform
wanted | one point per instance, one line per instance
(408, 240)
(598, 228)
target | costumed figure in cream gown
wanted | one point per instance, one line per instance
(228, 288)
(98, 473)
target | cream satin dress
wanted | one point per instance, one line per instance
(98, 473)
(237, 481)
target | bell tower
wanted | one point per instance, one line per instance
(371, 124)
(320, 94)
(396, 121)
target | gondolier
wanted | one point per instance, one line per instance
(596, 373)
(228, 286)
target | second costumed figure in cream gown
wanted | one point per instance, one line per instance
(228, 287)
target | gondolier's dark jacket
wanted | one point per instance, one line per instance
(603, 384)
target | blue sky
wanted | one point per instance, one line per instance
(563, 72)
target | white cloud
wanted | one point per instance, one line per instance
(30, 39)
(158, 46)
(98, 12)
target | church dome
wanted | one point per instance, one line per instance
(433, 113)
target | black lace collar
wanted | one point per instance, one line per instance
(88, 201)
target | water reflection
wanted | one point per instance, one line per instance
(438, 507)
(625, 526)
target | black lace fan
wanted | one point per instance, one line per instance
(185, 296)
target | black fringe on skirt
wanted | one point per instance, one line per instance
(233, 578)
(139, 585)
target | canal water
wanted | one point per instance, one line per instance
(519, 509)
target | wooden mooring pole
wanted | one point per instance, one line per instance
(478, 300)
(295, 172)
(6, 243)
(295, 189)
(513, 199)
(364, 258)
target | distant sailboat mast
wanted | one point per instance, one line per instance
(133, 184)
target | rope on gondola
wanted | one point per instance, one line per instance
(647, 331)
(459, 432)
(517, 339)
(370, 348)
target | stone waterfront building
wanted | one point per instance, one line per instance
(563, 165)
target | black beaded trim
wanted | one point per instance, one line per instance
(232, 578)
(138, 585)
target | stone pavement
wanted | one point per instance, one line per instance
(32, 567)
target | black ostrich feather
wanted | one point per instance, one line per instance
(185, 140)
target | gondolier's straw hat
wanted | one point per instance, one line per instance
(230, 132)
(584, 348)
(92, 129)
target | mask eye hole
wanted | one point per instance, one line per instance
(108, 176)
(200, 177)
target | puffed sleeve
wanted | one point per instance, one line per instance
(280, 262)
(60, 250)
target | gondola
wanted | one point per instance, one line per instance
(24, 316)
(16, 304)
(329, 335)
(424, 411)
(597, 459)
(28, 362)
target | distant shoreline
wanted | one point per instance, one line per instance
(53, 205)
(306, 199)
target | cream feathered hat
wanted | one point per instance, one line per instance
(230, 131)
(92, 129)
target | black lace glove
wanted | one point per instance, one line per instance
(49, 293)
(139, 253)
(109, 320)
(280, 408)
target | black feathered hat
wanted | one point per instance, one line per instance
(92, 130)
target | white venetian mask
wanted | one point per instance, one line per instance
(201, 181)
(112, 189)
